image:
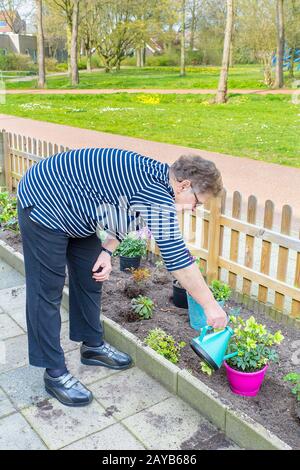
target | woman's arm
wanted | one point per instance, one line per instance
(192, 280)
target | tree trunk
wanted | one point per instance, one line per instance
(193, 25)
(74, 45)
(88, 60)
(292, 65)
(279, 78)
(182, 54)
(69, 42)
(40, 44)
(221, 95)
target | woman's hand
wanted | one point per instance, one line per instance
(215, 315)
(103, 264)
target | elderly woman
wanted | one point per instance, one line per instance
(62, 201)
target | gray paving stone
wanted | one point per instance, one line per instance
(59, 425)
(115, 437)
(12, 298)
(9, 328)
(6, 407)
(66, 343)
(128, 392)
(169, 425)
(86, 374)
(15, 353)
(24, 386)
(19, 316)
(16, 434)
(9, 277)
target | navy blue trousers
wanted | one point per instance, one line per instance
(46, 254)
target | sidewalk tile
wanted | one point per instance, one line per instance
(15, 352)
(66, 343)
(16, 434)
(8, 328)
(19, 316)
(115, 437)
(59, 425)
(12, 298)
(24, 386)
(128, 392)
(169, 424)
(6, 407)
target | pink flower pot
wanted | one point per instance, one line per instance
(245, 383)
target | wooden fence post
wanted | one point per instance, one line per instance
(6, 161)
(214, 239)
(2, 161)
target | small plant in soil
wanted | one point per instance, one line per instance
(255, 345)
(137, 283)
(143, 307)
(164, 344)
(220, 291)
(131, 247)
(294, 379)
(160, 274)
(8, 212)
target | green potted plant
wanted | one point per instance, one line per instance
(256, 348)
(130, 251)
(143, 307)
(221, 292)
(294, 379)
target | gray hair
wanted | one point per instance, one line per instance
(203, 174)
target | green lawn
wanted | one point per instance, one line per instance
(260, 127)
(242, 76)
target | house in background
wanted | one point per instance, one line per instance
(11, 22)
(13, 37)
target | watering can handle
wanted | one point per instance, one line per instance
(204, 331)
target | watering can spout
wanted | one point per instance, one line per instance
(212, 348)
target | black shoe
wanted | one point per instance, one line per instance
(105, 355)
(68, 390)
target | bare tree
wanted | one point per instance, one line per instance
(182, 52)
(279, 77)
(9, 9)
(74, 44)
(221, 95)
(40, 44)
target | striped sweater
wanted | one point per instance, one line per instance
(80, 191)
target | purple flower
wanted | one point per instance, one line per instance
(144, 233)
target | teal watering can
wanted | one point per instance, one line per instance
(212, 348)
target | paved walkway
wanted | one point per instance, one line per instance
(130, 410)
(106, 91)
(266, 180)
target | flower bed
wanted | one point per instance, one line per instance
(273, 407)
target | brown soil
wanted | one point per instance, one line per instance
(274, 407)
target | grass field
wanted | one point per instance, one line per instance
(242, 76)
(259, 127)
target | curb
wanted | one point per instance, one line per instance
(237, 426)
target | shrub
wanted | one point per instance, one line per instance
(220, 290)
(8, 212)
(17, 62)
(164, 344)
(254, 345)
(131, 247)
(143, 306)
